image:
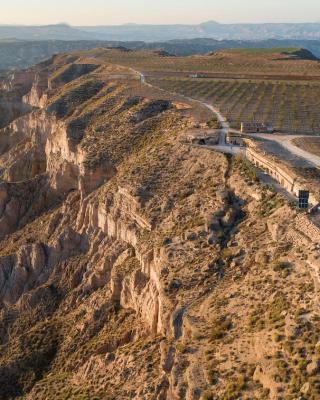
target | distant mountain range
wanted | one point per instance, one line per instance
(19, 54)
(152, 33)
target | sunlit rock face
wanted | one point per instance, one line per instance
(132, 264)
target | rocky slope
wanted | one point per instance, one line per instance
(135, 266)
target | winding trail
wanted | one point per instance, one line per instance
(284, 140)
(225, 127)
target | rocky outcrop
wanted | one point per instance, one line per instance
(133, 265)
(30, 267)
(21, 203)
(121, 219)
(11, 108)
(19, 80)
(39, 143)
(37, 96)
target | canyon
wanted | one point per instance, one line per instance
(134, 265)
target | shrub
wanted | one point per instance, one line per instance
(221, 328)
(234, 389)
(213, 123)
(213, 377)
(207, 396)
(282, 267)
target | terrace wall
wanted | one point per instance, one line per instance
(287, 180)
(282, 175)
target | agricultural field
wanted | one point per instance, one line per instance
(269, 63)
(277, 86)
(291, 106)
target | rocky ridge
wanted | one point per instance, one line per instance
(134, 266)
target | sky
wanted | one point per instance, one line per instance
(114, 12)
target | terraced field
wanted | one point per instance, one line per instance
(290, 106)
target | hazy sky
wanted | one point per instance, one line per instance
(110, 12)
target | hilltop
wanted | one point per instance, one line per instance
(274, 53)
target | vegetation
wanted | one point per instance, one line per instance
(288, 106)
(234, 389)
(246, 168)
(87, 326)
(269, 204)
(221, 327)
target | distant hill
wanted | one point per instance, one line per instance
(45, 32)
(152, 33)
(22, 54)
(283, 52)
(209, 29)
(205, 45)
(17, 54)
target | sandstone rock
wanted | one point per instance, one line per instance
(277, 231)
(291, 327)
(313, 367)
(305, 389)
(262, 257)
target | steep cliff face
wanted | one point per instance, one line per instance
(134, 266)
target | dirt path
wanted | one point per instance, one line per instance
(286, 142)
(225, 127)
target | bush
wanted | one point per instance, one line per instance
(276, 309)
(234, 389)
(214, 123)
(282, 267)
(213, 377)
(221, 328)
(207, 396)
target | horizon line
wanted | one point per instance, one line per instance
(155, 24)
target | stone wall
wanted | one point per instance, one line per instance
(285, 179)
(277, 171)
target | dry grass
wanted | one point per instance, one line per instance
(227, 62)
(312, 145)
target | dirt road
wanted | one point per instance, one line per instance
(286, 142)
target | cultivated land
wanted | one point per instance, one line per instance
(279, 86)
(291, 107)
(294, 62)
(134, 265)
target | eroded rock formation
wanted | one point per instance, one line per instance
(133, 266)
